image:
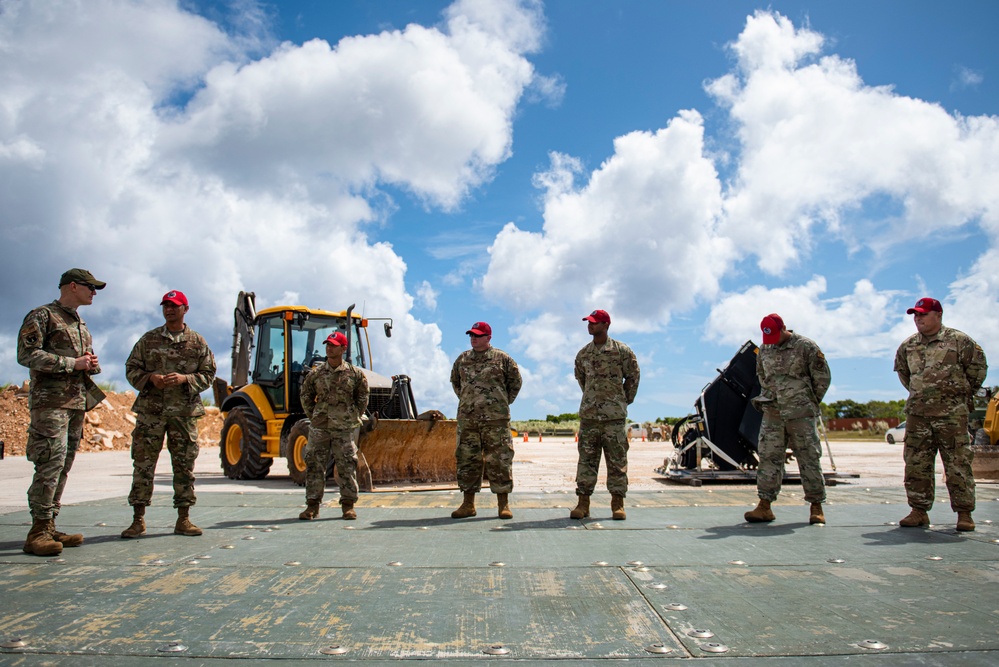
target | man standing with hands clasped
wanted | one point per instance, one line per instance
(486, 381)
(169, 366)
(56, 346)
(941, 368)
(608, 374)
(794, 376)
(334, 398)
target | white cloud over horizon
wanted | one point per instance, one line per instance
(655, 231)
(264, 178)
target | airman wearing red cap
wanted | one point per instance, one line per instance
(334, 398)
(486, 381)
(794, 377)
(169, 366)
(607, 372)
(941, 368)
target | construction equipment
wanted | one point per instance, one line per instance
(985, 420)
(985, 446)
(272, 352)
(719, 441)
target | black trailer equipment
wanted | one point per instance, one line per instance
(719, 442)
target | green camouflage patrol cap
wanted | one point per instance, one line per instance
(80, 276)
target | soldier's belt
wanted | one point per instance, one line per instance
(602, 422)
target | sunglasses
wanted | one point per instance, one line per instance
(88, 286)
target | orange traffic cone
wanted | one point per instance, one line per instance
(577, 436)
(525, 436)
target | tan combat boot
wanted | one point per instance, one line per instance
(582, 508)
(348, 510)
(915, 519)
(311, 511)
(138, 526)
(184, 525)
(39, 541)
(816, 515)
(761, 514)
(467, 507)
(965, 522)
(617, 508)
(74, 540)
(503, 500)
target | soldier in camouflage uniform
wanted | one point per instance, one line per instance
(486, 381)
(334, 398)
(608, 374)
(794, 376)
(169, 366)
(56, 346)
(941, 368)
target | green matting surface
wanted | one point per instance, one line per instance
(407, 582)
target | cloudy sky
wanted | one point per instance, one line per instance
(689, 166)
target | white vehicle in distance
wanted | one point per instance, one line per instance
(896, 434)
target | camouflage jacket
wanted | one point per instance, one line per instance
(794, 377)
(160, 351)
(608, 376)
(486, 383)
(941, 372)
(51, 338)
(335, 398)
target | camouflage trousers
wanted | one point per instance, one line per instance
(53, 438)
(342, 446)
(181, 435)
(924, 437)
(611, 439)
(484, 446)
(802, 438)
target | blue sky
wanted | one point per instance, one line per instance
(687, 166)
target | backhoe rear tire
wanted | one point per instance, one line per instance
(242, 444)
(298, 438)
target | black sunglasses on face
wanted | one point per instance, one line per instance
(88, 286)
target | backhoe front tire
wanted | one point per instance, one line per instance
(242, 445)
(298, 438)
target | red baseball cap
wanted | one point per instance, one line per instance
(925, 305)
(480, 329)
(175, 297)
(598, 316)
(336, 338)
(771, 326)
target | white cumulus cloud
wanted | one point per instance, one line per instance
(146, 144)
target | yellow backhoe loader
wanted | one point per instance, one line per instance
(272, 351)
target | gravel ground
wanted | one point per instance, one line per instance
(549, 465)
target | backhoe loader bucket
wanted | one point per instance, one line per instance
(397, 451)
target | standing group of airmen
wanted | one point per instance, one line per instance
(942, 369)
(169, 366)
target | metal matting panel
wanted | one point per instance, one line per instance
(282, 612)
(393, 585)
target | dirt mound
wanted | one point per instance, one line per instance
(108, 426)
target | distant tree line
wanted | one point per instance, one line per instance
(848, 409)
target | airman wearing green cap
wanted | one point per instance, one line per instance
(56, 346)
